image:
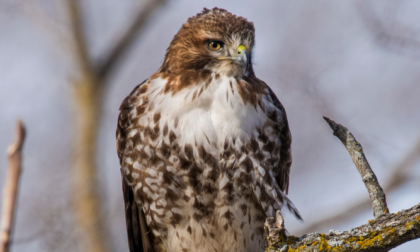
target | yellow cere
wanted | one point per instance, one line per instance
(241, 48)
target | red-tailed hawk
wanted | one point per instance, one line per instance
(204, 145)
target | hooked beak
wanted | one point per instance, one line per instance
(241, 56)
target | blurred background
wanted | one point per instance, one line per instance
(67, 65)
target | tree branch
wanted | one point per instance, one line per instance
(14, 156)
(376, 194)
(387, 231)
(382, 234)
(399, 175)
(109, 63)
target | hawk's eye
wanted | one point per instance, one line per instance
(215, 45)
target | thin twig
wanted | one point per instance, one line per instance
(109, 63)
(376, 194)
(14, 156)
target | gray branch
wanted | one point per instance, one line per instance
(376, 194)
(400, 175)
(380, 235)
(387, 231)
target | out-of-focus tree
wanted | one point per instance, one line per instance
(89, 87)
(89, 83)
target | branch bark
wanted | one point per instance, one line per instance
(399, 175)
(10, 193)
(376, 194)
(380, 235)
(387, 231)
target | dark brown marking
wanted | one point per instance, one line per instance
(165, 150)
(156, 117)
(170, 194)
(230, 195)
(253, 145)
(175, 219)
(143, 88)
(244, 208)
(247, 163)
(263, 138)
(194, 95)
(184, 162)
(165, 129)
(140, 109)
(188, 149)
(172, 137)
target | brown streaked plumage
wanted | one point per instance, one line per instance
(204, 145)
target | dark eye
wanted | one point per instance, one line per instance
(215, 45)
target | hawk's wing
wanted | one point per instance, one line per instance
(139, 235)
(282, 171)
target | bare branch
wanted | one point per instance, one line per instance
(387, 231)
(109, 63)
(382, 234)
(14, 156)
(376, 194)
(399, 175)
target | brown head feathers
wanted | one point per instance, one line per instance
(188, 50)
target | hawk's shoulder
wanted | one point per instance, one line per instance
(124, 120)
(138, 233)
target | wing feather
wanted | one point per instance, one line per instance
(138, 233)
(283, 170)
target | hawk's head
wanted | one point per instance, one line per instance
(215, 40)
